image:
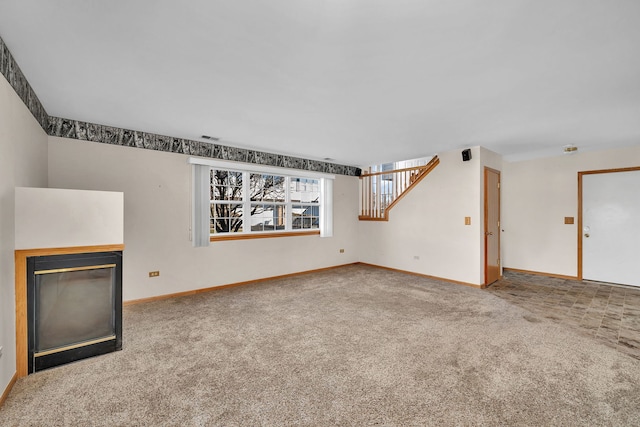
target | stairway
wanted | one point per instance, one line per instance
(381, 191)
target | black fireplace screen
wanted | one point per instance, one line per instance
(74, 307)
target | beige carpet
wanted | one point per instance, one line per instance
(350, 346)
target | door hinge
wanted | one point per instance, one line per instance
(498, 261)
(498, 185)
(498, 224)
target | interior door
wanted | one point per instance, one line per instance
(491, 225)
(611, 227)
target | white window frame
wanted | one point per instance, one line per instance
(201, 237)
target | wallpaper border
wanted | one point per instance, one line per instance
(84, 131)
(11, 71)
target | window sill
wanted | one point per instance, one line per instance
(249, 236)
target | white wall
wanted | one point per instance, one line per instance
(429, 224)
(23, 162)
(156, 188)
(67, 218)
(536, 196)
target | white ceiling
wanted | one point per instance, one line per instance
(358, 81)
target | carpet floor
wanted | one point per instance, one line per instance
(355, 345)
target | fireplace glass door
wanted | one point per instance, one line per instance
(75, 307)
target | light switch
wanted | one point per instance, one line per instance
(467, 220)
(568, 220)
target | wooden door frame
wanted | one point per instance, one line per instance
(485, 222)
(580, 223)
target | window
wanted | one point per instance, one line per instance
(227, 195)
(248, 202)
(258, 201)
(305, 197)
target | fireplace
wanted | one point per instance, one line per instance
(68, 275)
(74, 307)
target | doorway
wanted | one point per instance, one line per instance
(491, 225)
(608, 226)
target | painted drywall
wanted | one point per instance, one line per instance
(23, 162)
(157, 191)
(536, 196)
(426, 231)
(66, 218)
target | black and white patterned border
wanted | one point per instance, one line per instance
(84, 131)
(56, 126)
(10, 70)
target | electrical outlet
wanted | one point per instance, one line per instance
(416, 257)
(341, 251)
(154, 273)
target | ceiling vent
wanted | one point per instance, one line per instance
(210, 138)
(569, 149)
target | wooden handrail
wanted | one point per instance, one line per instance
(378, 196)
(413, 168)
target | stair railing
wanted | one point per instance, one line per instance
(381, 191)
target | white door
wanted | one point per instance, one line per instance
(611, 227)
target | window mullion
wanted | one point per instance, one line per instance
(288, 223)
(246, 203)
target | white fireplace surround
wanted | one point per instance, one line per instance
(56, 218)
